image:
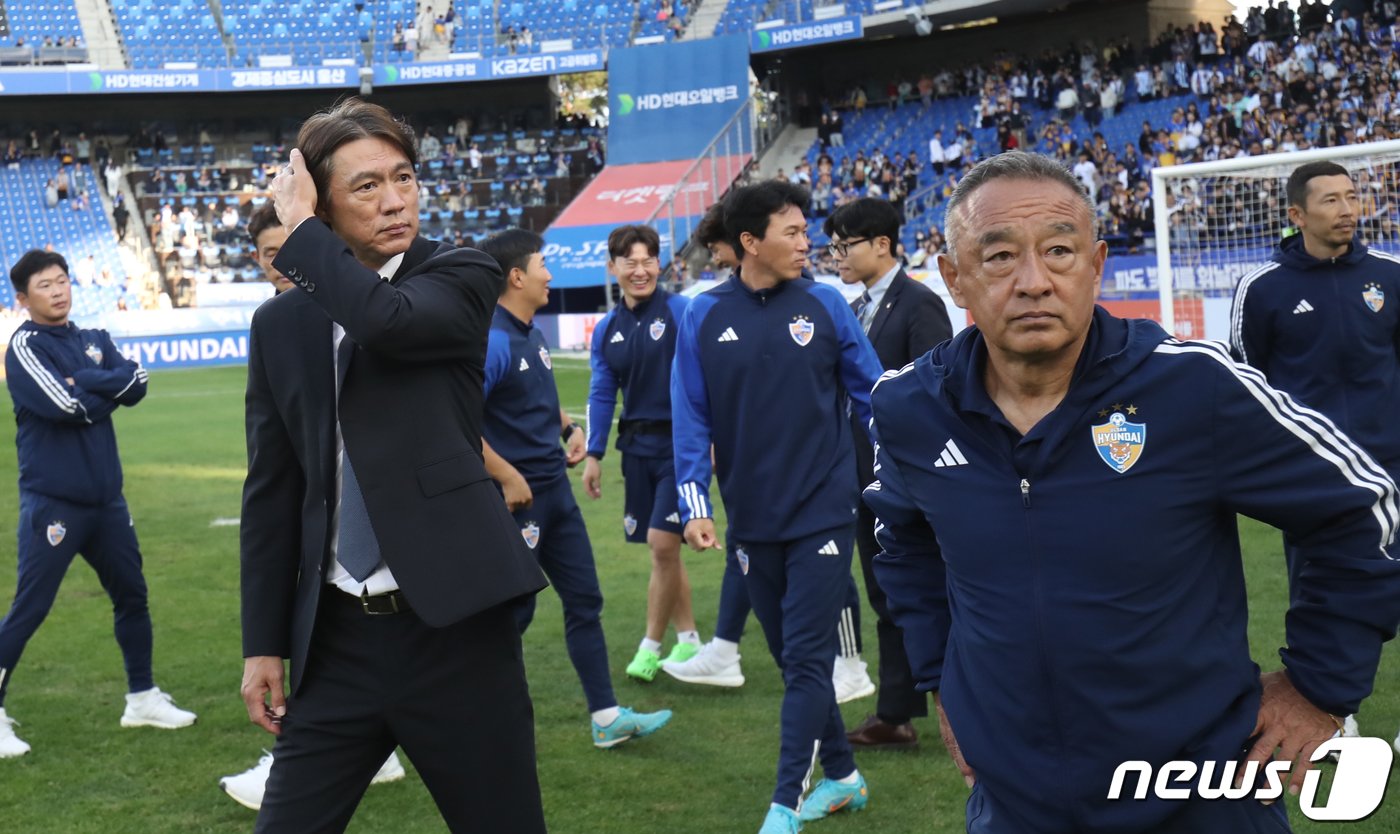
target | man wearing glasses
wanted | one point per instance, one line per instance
(903, 320)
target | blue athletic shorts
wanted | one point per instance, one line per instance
(650, 501)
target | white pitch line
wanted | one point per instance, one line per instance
(224, 522)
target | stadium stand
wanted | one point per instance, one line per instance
(43, 31)
(76, 227)
(181, 32)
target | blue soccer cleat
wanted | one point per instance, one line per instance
(781, 820)
(629, 725)
(830, 796)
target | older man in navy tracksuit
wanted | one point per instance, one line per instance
(66, 382)
(1057, 498)
(764, 366)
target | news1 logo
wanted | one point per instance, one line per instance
(1358, 785)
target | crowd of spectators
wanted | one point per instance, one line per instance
(1278, 80)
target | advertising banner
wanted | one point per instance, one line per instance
(577, 256)
(814, 33)
(195, 350)
(670, 100)
(226, 80)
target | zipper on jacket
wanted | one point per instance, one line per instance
(1026, 493)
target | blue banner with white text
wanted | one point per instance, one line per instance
(23, 81)
(814, 33)
(670, 100)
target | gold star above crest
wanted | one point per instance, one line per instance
(1103, 413)
(1117, 406)
(1132, 409)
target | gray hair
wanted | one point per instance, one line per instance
(1014, 165)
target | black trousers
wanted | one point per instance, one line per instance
(896, 701)
(454, 698)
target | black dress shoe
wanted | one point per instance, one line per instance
(874, 734)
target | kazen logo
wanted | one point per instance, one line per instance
(1358, 786)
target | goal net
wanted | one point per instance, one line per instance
(1215, 222)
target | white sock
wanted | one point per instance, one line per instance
(725, 649)
(604, 717)
(850, 780)
(692, 637)
(651, 645)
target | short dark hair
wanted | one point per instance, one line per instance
(264, 217)
(711, 227)
(31, 263)
(512, 248)
(867, 217)
(748, 209)
(1297, 189)
(623, 238)
(346, 121)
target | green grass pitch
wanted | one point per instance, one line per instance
(711, 770)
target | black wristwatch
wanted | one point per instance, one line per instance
(568, 430)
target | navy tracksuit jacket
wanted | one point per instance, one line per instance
(632, 350)
(1328, 333)
(1077, 594)
(765, 377)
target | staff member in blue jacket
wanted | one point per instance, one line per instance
(65, 383)
(1057, 497)
(764, 366)
(521, 430)
(632, 350)
(1315, 322)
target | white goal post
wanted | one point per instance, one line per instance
(1217, 221)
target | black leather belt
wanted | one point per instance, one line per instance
(393, 602)
(656, 427)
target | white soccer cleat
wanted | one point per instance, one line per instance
(11, 745)
(1397, 743)
(1349, 728)
(851, 681)
(154, 708)
(247, 787)
(390, 771)
(707, 667)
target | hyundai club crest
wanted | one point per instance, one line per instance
(1118, 440)
(801, 330)
(1374, 296)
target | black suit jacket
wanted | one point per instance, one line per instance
(911, 320)
(410, 415)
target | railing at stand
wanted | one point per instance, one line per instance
(722, 163)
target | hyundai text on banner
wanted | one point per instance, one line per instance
(670, 100)
(806, 34)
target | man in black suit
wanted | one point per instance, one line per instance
(904, 320)
(376, 552)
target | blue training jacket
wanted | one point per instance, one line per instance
(765, 375)
(632, 350)
(67, 446)
(1077, 595)
(521, 415)
(1328, 332)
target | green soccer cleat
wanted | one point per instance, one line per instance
(681, 652)
(629, 725)
(644, 666)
